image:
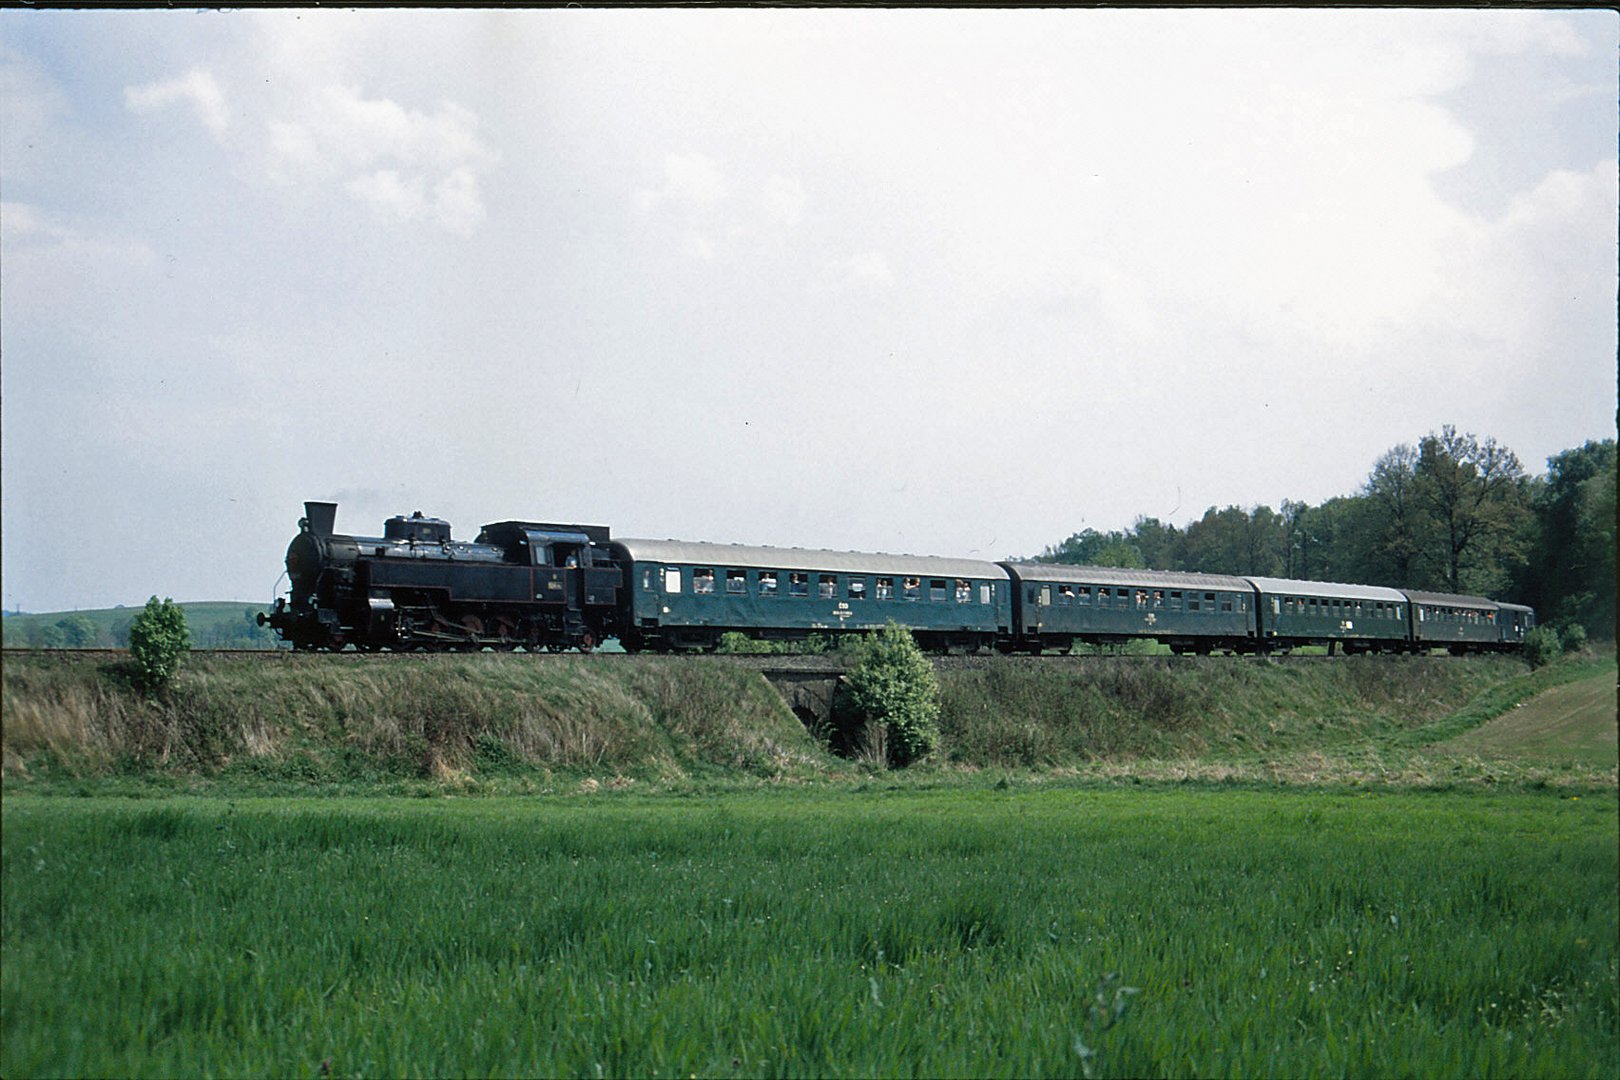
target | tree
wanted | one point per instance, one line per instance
(1571, 575)
(78, 632)
(1392, 491)
(158, 639)
(1235, 541)
(1092, 548)
(1158, 543)
(1474, 494)
(892, 687)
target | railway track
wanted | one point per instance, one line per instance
(785, 663)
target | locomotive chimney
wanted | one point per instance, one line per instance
(321, 517)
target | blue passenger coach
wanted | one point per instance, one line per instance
(1057, 605)
(1357, 618)
(685, 595)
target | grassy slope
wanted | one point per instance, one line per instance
(1574, 721)
(507, 723)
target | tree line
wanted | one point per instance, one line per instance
(1454, 513)
(80, 631)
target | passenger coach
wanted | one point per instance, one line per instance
(685, 595)
(1356, 618)
(1058, 605)
(1460, 624)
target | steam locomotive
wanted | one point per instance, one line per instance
(548, 586)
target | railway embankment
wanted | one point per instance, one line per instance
(511, 723)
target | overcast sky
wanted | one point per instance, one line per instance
(946, 282)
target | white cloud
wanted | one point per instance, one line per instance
(31, 234)
(868, 268)
(783, 201)
(196, 87)
(406, 164)
(690, 180)
(386, 155)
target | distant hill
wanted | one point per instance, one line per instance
(214, 624)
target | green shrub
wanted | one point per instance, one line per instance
(1572, 636)
(158, 638)
(1541, 646)
(894, 696)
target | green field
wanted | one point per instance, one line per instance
(599, 867)
(963, 932)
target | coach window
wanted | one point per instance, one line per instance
(856, 588)
(827, 587)
(885, 588)
(1141, 598)
(737, 582)
(672, 579)
(984, 594)
(936, 589)
(1175, 601)
(913, 588)
(964, 591)
(646, 580)
(703, 579)
(767, 583)
(1082, 596)
(1065, 596)
(798, 584)
(1102, 596)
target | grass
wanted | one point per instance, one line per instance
(1575, 720)
(296, 721)
(491, 723)
(965, 932)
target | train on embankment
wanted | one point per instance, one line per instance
(543, 586)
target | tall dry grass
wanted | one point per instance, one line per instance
(438, 718)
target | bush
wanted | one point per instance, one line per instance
(158, 638)
(1572, 637)
(1541, 646)
(893, 694)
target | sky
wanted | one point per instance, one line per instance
(954, 282)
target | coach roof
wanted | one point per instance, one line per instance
(774, 558)
(1455, 600)
(1116, 575)
(1332, 589)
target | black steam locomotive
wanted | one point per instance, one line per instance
(539, 585)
